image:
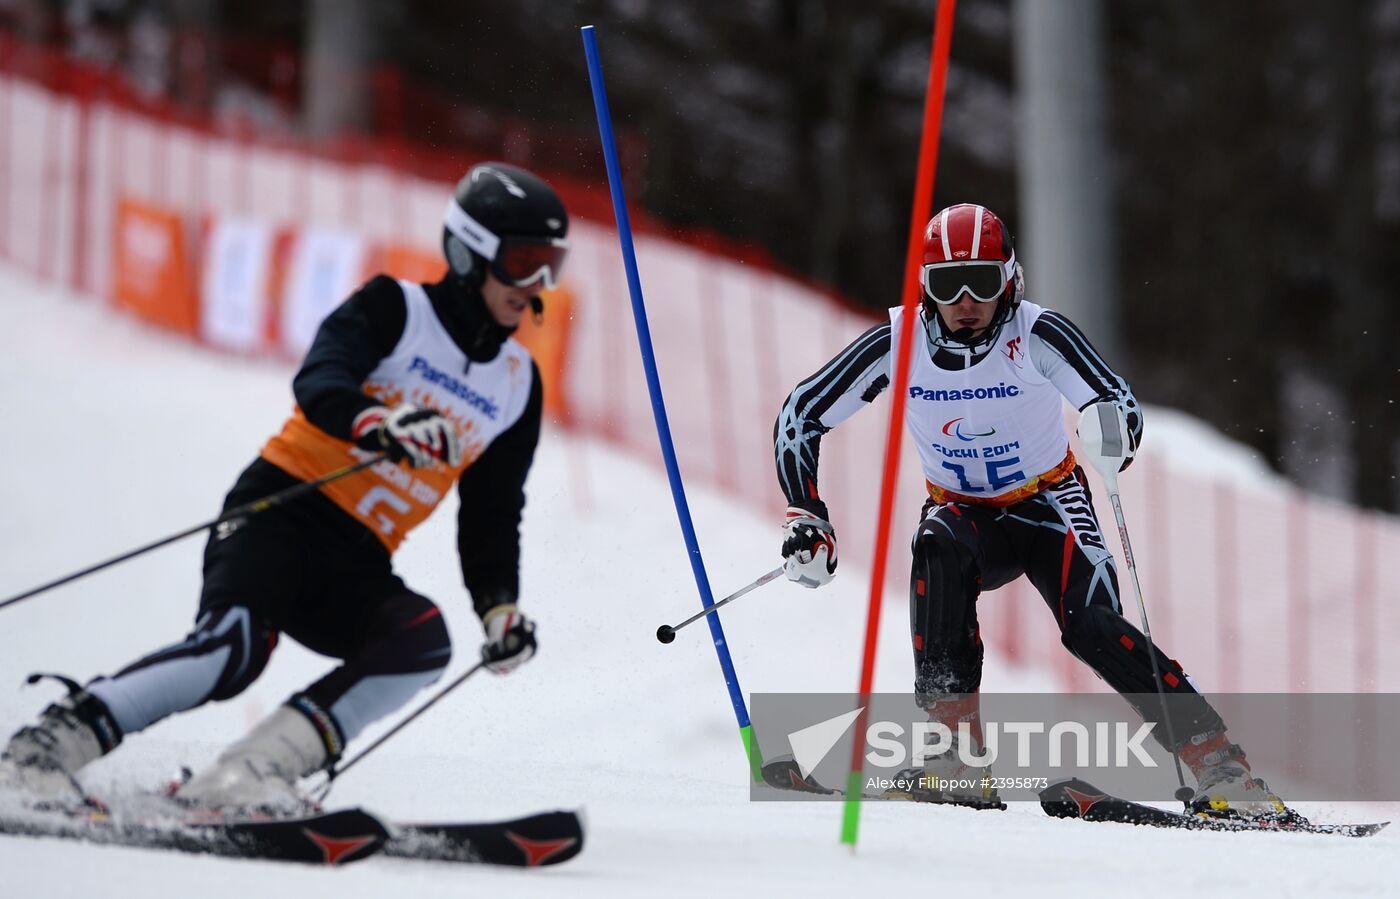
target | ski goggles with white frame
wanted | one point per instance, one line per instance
(517, 261)
(984, 280)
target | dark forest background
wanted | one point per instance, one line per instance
(1255, 148)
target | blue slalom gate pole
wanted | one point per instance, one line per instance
(658, 403)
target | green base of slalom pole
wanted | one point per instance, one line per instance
(752, 750)
(850, 815)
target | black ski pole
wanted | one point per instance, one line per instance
(666, 633)
(337, 770)
(238, 514)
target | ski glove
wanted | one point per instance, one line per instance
(422, 436)
(1110, 435)
(510, 639)
(809, 545)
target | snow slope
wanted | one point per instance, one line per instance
(116, 435)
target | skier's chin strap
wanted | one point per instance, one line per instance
(961, 341)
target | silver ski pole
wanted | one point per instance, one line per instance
(238, 514)
(1104, 437)
(666, 633)
(337, 770)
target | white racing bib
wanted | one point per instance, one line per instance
(991, 431)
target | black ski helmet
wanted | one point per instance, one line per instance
(504, 219)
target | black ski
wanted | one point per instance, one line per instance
(330, 838)
(1077, 799)
(544, 839)
(333, 838)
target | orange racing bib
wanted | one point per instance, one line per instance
(482, 399)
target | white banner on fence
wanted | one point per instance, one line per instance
(233, 289)
(323, 268)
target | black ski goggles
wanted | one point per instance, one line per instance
(945, 282)
(522, 261)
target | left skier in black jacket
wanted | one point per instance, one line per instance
(427, 374)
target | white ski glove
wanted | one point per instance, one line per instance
(809, 545)
(510, 639)
(422, 436)
(1107, 437)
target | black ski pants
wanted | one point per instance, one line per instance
(1054, 539)
(307, 570)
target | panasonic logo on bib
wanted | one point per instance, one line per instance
(967, 393)
(441, 378)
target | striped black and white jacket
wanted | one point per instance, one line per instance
(861, 372)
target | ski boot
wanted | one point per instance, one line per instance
(1225, 786)
(257, 775)
(948, 778)
(40, 762)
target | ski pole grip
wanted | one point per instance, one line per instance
(1103, 434)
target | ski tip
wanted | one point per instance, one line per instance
(784, 774)
(1070, 798)
(544, 838)
(553, 838)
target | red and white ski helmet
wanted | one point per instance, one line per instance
(964, 234)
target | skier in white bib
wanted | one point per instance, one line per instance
(1006, 498)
